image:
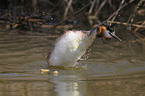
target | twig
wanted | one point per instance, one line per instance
(135, 25)
(110, 3)
(137, 7)
(71, 8)
(67, 8)
(97, 4)
(90, 11)
(101, 6)
(50, 3)
(136, 29)
(72, 15)
(92, 6)
(120, 9)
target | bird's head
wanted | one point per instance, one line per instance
(105, 31)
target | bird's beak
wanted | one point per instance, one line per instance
(114, 36)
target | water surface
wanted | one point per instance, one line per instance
(113, 68)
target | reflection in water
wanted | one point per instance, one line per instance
(66, 88)
(113, 68)
(123, 87)
(26, 88)
(57, 86)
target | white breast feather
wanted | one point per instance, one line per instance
(69, 48)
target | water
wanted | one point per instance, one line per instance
(113, 68)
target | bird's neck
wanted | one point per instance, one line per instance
(94, 32)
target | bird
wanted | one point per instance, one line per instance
(72, 45)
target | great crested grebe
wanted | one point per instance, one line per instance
(73, 44)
